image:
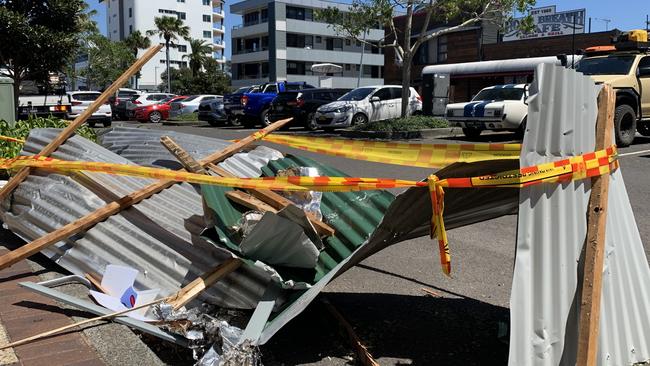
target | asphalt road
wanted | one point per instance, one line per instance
(382, 297)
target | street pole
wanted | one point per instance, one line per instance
(363, 49)
(573, 43)
(155, 76)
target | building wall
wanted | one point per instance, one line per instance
(126, 16)
(252, 52)
(549, 46)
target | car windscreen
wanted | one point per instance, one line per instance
(190, 98)
(126, 94)
(85, 97)
(609, 65)
(242, 90)
(499, 94)
(357, 94)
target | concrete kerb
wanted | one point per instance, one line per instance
(185, 123)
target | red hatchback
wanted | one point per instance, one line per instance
(157, 112)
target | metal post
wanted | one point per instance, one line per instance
(155, 76)
(573, 43)
(363, 49)
(589, 24)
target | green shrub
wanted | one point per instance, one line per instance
(411, 123)
(186, 117)
(21, 130)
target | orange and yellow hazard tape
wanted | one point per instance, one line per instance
(408, 154)
(12, 139)
(574, 168)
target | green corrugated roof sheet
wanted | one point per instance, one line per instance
(354, 216)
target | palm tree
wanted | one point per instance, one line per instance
(136, 41)
(169, 28)
(199, 54)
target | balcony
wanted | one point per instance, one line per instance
(217, 3)
(247, 30)
(250, 50)
(220, 59)
(218, 28)
(218, 44)
(218, 14)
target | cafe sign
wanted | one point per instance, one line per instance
(547, 23)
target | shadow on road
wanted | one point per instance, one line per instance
(421, 329)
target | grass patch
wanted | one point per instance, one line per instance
(21, 130)
(412, 123)
(188, 117)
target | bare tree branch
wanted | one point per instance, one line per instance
(425, 26)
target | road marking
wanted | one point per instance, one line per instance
(635, 153)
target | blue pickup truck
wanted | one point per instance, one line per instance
(256, 104)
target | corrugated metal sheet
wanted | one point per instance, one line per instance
(159, 236)
(551, 234)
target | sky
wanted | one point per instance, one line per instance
(624, 15)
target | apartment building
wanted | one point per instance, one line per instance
(204, 17)
(281, 40)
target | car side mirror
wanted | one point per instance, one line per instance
(374, 99)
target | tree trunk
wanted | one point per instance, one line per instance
(406, 83)
(169, 76)
(406, 59)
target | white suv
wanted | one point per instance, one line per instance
(366, 104)
(80, 100)
(150, 98)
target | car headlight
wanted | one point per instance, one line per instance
(343, 109)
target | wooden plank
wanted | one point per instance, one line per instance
(194, 288)
(114, 207)
(249, 201)
(182, 156)
(278, 202)
(595, 243)
(363, 356)
(95, 282)
(92, 108)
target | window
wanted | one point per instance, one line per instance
(207, 18)
(334, 43)
(319, 39)
(395, 93)
(358, 67)
(644, 67)
(130, 12)
(442, 49)
(265, 69)
(271, 88)
(383, 94)
(295, 68)
(299, 40)
(251, 18)
(358, 43)
(422, 54)
(309, 14)
(207, 34)
(206, 2)
(295, 13)
(264, 15)
(181, 15)
(130, 29)
(348, 42)
(347, 67)
(180, 1)
(181, 48)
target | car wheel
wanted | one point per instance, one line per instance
(91, 124)
(643, 128)
(234, 121)
(359, 119)
(624, 125)
(249, 122)
(472, 132)
(310, 123)
(264, 118)
(519, 133)
(107, 122)
(155, 117)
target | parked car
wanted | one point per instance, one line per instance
(118, 103)
(190, 104)
(212, 111)
(366, 104)
(157, 112)
(302, 105)
(498, 107)
(143, 100)
(232, 104)
(257, 104)
(80, 100)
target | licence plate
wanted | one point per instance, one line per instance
(322, 118)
